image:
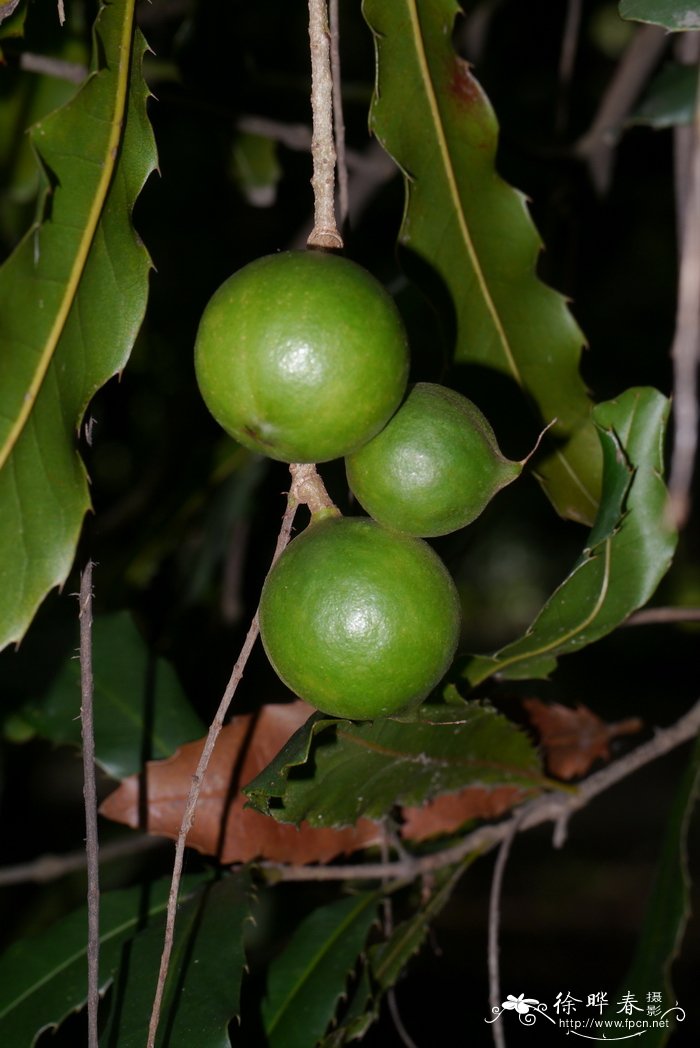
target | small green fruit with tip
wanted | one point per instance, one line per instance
(433, 468)
(357, 620)
(301, 356)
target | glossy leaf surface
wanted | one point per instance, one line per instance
(628, 551)
(671, 14)
(72, 297)
(331, 772)
(202, 991)
(475, 233)
(307, 979)
(140, 709)
(43, 978)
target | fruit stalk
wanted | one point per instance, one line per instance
(325, 233)
(308, 488)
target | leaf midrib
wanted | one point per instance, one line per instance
(76, 955)
(552, 646)
(454, 191)
(316, 959)
(432, 762)
(73, 283)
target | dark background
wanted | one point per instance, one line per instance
(186, 550)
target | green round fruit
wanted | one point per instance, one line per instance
(434, 466)
(301, 356)
(357, 620)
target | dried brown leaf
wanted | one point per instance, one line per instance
(446, 813)
(573, 739)
(222, 827)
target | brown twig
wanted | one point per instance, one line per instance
(57, 68)
(7, 9)
(338, 118)
(325, 232)
(494, 922)
(652, 616)
(369, 171)
(306, 488)
(90, 797)
(567, 59)
(552, 807)
(598, 145)
(686, 339)
(387, 930)
(472, 30)
(51, 867)
(198, 778)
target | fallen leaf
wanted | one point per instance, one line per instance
(447, 813)
(155, 801)
(573, 739)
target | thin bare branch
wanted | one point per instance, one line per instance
(552, 807)
(653, 616)
(58, 68)
(293, 136)
(298, 138)
(338, 118)
(567, 59)
(90, 796)
(325, 232)
(597, 146)
(198, 779)
(306, 488)
(7, 9)
(403, 1034)
(51, 867)
(473, 30)
(686, 340)
(499, 1038)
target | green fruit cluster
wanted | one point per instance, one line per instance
(302, 356)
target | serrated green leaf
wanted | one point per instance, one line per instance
(307, 979)
(671, 14)
(359, 1016)
(72, 297)
(668, 911)
(670, 100)
(333, 771)
(475, 233)
(628, 552)
(202, 991)
(140, 711)
(387, 961)
(43, 978)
